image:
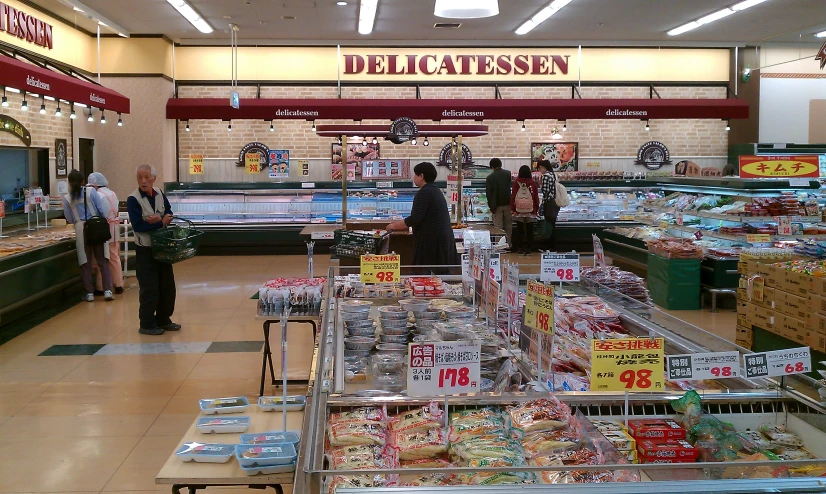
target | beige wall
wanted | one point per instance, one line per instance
(44, 129)
(614, 143)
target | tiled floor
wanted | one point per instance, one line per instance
(85, 408)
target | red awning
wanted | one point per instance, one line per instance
(453, 109)
(34, 79)
(382, 130)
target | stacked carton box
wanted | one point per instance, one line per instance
(793, 305)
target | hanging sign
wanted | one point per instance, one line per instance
(599, 254)
(556, 268)
(718, 365)
(653, 155)
(15, 128)
(512, 287)
(196, 164)
(628, 364)
(779, 166)
(402, 130)
(443, 368)
(60, 157)
(257, 148)
(778, 363)
(253, 163)
(539, 307)
(380, 268)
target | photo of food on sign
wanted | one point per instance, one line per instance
(356, 153)
(562, 155)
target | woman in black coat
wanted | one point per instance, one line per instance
(434, 244)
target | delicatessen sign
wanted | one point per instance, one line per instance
(457, 64)
(25, 26)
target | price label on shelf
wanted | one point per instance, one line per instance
(476, 262)
(778, 363)
(719, 365)
(466, 267)
(443, 368)
(679, 217)
(380, 268)
(384, 185)
(599, 254)
(196, 164)
(628, 364)
(626, 217)
(758, 238)
(492, 298)
(253, 163)
(784, 225)
(495, 267)
(539, 307)
(557, 268)
(512, 286)
(322, 236)
(308, 185)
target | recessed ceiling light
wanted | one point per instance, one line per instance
(341, 4)
(227, 17)
(821, 34)
(367, 15)
(288, 17)
(466, 9)
(541, 16)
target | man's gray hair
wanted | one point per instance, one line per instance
(150, 168)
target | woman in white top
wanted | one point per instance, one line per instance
(79, 205)
(109, 203)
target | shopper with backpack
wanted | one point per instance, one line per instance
(554, 198)
(524, 208)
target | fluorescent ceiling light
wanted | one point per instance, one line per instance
(821, 34)
(193, 17)
(103, 24)
(80, 105)
(49, 98)
(77, 9)
(684, 28)
(94, 16)
(541, 16)
(715, 16)
(12, 90)
(466, 9)
(367, 15)
(744, 5)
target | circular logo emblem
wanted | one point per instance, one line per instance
(403, 129)
(653, 155)
(446, 156)
(257, 148)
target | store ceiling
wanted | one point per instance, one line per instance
(601, 22)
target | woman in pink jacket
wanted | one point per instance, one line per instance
(525, 208)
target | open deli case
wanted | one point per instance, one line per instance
(769, 412)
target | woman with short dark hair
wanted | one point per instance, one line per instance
(434, 244)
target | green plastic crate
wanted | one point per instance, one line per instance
(674, 284)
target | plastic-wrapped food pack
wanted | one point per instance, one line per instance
(352, 433)
(418, 420)
(539, 415)
(362, 457)
(418, 445)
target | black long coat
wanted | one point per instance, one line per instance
(432, 233)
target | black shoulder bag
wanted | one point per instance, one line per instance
(95, 229)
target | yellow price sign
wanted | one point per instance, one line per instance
(381, 268)
(253, 162)
(758, 288)
(628, 364)
(758, 238)
(539, 307)
(626, 217)
(196, 164)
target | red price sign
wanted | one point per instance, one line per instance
(639, 379)
(543, 320)
(796, 368)
(556, 268)
(511, 298)
(386, 276)
(452, 377)
(721, 371)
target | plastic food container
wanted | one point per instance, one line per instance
(361, 323)
(392, 338)
(392, 312)
(485, 385)
(269, 470)
(355, 316)
(270, 403)
(205, 453)
(414, 304)
(224, 405)
(274, 437)
(391, 382)
(388, 363)
(222, 425)
(396, 331)
(253, 455)
(359, 343)
(394, 323)
(428, 315)
(460, 313)
(453, 333)
(396, 348)
(356, 306)
(365, 331)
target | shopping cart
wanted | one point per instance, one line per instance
(354, 244)
(176, 242)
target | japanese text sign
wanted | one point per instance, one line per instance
(539, 307)
(252, 162)
(779, 166)
(492, 297)
(719, 365)
(557, 268)
(443, 368)
(380, 268)
(628, 364)
(196, 164)
(495, 267)
(758, 238)
(512, 286)
(784, 225)
(778, 363)
(466, 267)
(476, 261)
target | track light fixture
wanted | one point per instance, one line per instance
(229, 126)
(426, 142)
(91, 118)
(187, 126)
(57, 112)
(43, 106)
(313, 127)
(25, 105)
(564, 125)
(72, 114)
(647, 126)
(375, 141)
(364, 142)
(5, 103)
(728, 126)
(102, 117)
(413, 141)
(272, 126)
(523, 126)
(120, 120)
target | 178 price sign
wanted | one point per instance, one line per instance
(443, 368)
(557, 268)
(779, 362)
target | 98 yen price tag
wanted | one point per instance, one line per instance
(628, 364)
(779, 362)
(443, 368)
(380, 268)
(557, 268)
(719, 365)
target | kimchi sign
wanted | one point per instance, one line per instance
(779, 167)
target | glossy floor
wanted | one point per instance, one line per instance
(86, 407)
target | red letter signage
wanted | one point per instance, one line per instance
(25, 26)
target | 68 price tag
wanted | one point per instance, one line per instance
(779, 362)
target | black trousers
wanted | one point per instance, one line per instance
(524, 231)
(551, 213)
(157, 289)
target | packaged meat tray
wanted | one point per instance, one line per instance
(205, 452)
(674, 449)
(292, 437)
(224, 405)
(269, 470)
(270, 403)
(655, 429)
(251, 455)
(222, 425)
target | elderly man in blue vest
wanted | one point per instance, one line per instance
(149, 210)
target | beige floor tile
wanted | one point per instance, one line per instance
(97, 425)
(16, 395)
(184, 405)
(3, 419)
(214, 388)
(143, 463)
(135, 367)
(89, 391)
(53, 464)
(120, 405)
(39, 369)
(190, 332)
(172, 424)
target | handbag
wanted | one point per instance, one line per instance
(95, 229)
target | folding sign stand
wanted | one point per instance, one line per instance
(284, 321)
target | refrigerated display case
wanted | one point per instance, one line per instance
(746, 404)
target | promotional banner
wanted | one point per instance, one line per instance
(539, 307)
(628, 364)
(196, 164)
(279, 161)
(380, 268)
(252, 163)
(779, 166)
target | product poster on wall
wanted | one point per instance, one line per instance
(383, 169)
(60, 157)
(279, 163)
(562, 155)
(304, 166)
(356, 153)
(351, 172)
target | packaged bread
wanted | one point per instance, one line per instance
(362, 457)
(352, 433)
(437, 462)
(421, 419)
(551, 441)
(539, 415)
(360, 415)
(360, 481)
(416, 445)
(780, 436)
(432, 480)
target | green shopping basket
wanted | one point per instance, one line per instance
(176, 242)
(354, 244)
